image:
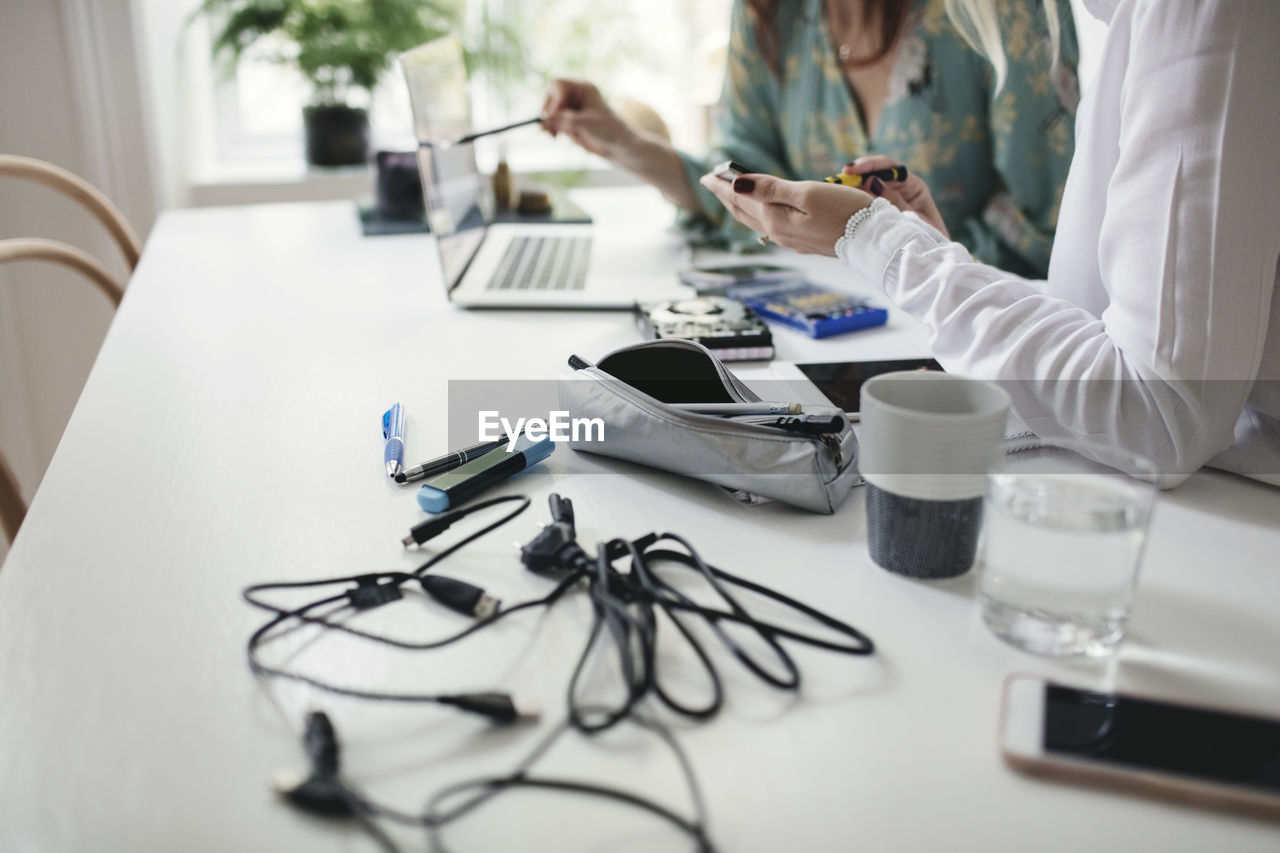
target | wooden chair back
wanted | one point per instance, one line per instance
(13, 507)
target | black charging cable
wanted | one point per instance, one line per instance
(369, 591)
(323, 791)
(626, 607)
(474, 793)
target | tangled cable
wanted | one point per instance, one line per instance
(628, 607)
(377, 589)
(323, 790)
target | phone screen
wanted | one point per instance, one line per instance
(841, 382)
(1141, 734)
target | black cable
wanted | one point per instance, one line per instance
(301, 615)
(374, 590)
(326, 792)
(497, 707)
(625, 606)
(448, 519)
(322, 791)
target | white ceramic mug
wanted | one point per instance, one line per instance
(922, 449)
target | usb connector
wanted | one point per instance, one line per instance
(460, 596)
(431, 528)
(486, 606)
(498, 707)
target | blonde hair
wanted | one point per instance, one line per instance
(978, 22)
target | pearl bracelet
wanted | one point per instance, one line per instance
(858, 220)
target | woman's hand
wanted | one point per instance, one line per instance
(912, 194)
(807, 216)
(577, 109)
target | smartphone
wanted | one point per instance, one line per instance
(729, 169)
(841, 382)
(1198, 755)
(715, 280)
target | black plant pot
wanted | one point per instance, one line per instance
(337, 135)
(398, 186)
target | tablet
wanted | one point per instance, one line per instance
(841, 382)
(822, 384)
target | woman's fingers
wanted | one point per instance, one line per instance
(807, 216)
(552, 107)
(555, 97)
(738, 202)
(748, 212)
(869, 163)
(564, 98)
(909, 195)
(892, 194)
(770, 190)
(558, 97)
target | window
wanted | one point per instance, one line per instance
(668, 54)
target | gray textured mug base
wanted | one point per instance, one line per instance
(922, 538)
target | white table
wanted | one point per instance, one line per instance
(227, 435)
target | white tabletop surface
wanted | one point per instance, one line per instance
(228, 435)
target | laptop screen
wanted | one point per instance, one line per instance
(457, 198)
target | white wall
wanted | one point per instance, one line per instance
(69, 95)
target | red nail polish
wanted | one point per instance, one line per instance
(744, 186)
(875, 186)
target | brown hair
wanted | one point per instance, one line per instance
(891, 13)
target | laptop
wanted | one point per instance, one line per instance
(486, 263)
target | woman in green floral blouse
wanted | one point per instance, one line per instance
(814, 84)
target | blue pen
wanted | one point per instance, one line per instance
(393, 432)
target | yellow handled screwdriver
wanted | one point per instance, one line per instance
(893, 173)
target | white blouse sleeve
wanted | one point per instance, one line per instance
(1188, 255)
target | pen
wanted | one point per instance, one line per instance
(472, 137)
(807, 424)
(761, 408)
(448, 462)
(455, 487)
(893, 173)
(393, 432)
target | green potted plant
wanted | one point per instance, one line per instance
(341, 47)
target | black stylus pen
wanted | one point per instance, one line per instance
(806, 424)
(472, 137)
(448, 462)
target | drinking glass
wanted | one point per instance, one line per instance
(1062, 543)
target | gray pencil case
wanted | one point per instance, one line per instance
(630, 392)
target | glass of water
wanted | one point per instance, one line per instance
(1062, 542)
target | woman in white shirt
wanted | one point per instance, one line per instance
(1158, 328)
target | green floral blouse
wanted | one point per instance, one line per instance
(995, 162)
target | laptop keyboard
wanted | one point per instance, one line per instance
(543, 263)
